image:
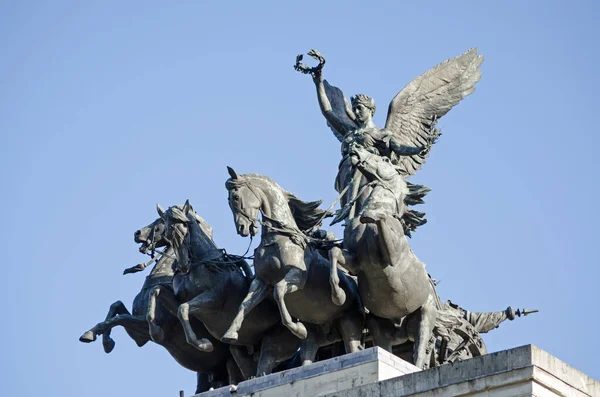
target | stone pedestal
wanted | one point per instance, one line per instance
(321, 378)
(519, 372)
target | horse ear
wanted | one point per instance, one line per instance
(160, 211)
(187, 207)
(232, 173)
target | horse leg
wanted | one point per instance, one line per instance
(136, 327)
(244, 364)
(278, 345)
(167, 298)
(383, 332)
(347, 260)
(308, 348)
(234, 374)
(387, 237)
(426, 318)
(90, 336)
(116, 308)
(202, 382)
(205, 302)
(257, 292)
(351, 327)
(104, 328)
(290, 283)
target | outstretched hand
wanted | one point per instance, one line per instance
(316, 71)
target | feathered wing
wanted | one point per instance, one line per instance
(412, 114)
(341, 108)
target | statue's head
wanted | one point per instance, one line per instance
(363, 107)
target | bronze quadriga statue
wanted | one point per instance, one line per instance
(311, 295)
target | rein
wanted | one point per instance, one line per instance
(163, 253)
(233, 262)
(152, 243)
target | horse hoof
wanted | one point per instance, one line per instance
(108, 345)
(88, 337)
(300, 331)
(230, 337)
(204, 345)
(338, 296)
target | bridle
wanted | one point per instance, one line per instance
(362, 161)
(296, 235)
(192, 259)
(268, 226)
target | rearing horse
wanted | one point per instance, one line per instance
(285, 262)
(216, 368)
(377, 251)
(209, 286)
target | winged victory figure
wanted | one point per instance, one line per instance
(375, 197)
(409, 130)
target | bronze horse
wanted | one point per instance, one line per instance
(392, 281)
(285, 262)
(208, 285)
(214, 369)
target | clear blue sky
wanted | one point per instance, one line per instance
(109, 107)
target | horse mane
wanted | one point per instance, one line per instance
(306, 214)
(177, 214)
(206, 228)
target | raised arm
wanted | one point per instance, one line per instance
(395, 145)
(330, 115)
(403, 150)
(331, 99)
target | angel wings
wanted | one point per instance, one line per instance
(414, 111)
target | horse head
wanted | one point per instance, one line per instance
(379, 171)
(244, 203)
(176, 230)
(280, 209)
(188, 234)
(151, 236)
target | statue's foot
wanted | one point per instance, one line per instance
(156, 333)
(230, 337)
(338, 296)
(108, 344)
(299, 330)
(204, 345)
(88, 337)
(371, 216)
